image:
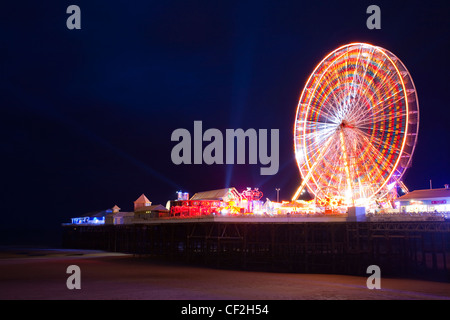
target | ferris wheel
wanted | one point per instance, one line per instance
(356, 124)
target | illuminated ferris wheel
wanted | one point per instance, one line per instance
(356, 125)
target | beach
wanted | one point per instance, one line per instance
(30, 273)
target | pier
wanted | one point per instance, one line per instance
(418, 249)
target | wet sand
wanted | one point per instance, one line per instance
(41, 274)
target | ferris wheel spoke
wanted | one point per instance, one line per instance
(356, 66)
(372, 140)
(347, 70)
(374, 156)
(377, 176)
(357, 114)
(328, 174)
(379, 121)
(316, 140)
(388, 106)
(377, 131)
(311, 168)
(390, 77)
(378, 156)
(384, 98)
(382, 101)
(335, 66)
(366, 172)
(320, 150)
(366, 66)
(380, 116)
(322, 177)
(383, 105)
(328, 109)
(385, 81)
(369, 176)
(363, 94)
(330, 79)
(320, 125)
(361, 111)
(316, 152)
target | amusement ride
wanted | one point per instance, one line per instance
(356, 128)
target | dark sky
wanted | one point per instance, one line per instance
(87, 115)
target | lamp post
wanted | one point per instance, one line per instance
(278, 194)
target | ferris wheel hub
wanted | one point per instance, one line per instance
(345, 124)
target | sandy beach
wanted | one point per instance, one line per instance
(41, 274)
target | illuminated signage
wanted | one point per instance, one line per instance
(439, 202)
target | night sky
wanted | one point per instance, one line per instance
(87, 115)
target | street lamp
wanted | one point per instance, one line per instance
(278, 194)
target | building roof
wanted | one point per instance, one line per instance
(121, 214)
(218, 194)
(157, 207)
(142, 199)
(425, 194)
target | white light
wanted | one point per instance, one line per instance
(348, 194)
(391, 185)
